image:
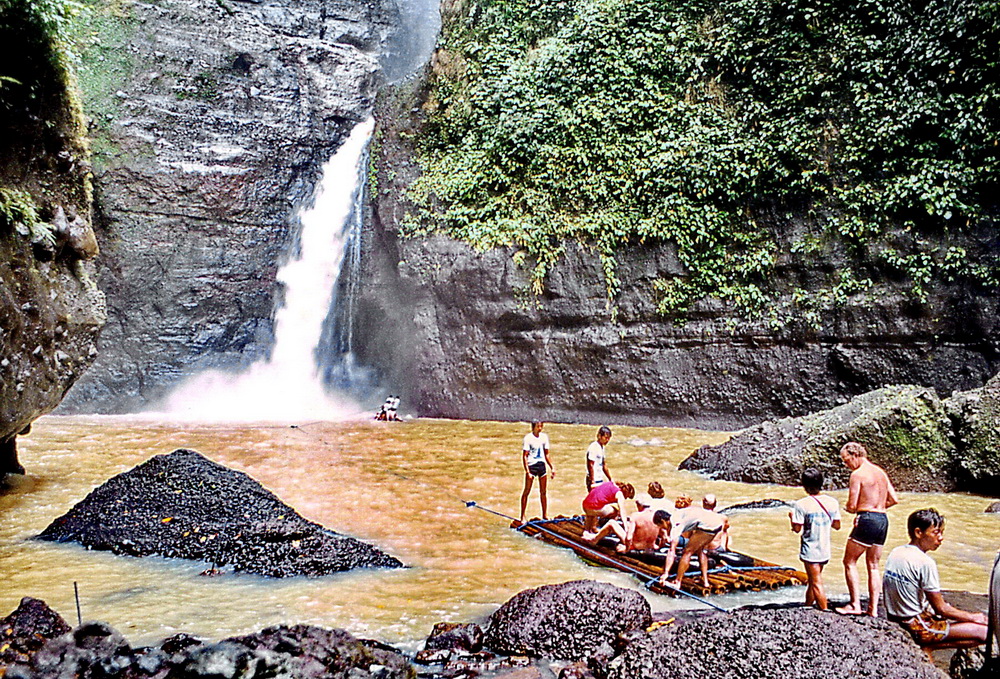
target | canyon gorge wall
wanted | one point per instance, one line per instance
(50, 308)
(211, 120)
(460, 333)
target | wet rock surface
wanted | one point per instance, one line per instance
(569, 621)
(796, 643)
(905, 429)
(211, 139)
(95, 650)
(51, 310)
(26, 629)
(977, 432)
(185, 506)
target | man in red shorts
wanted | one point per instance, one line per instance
(913, 591)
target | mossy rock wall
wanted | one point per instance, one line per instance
(906, 429)
(50, 308)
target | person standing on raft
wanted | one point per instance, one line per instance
(913, 591)
(702, 526)
(597, 468)
(871, 493)
(536, 462)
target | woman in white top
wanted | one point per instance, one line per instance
(535, 458)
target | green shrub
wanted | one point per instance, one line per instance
(616, 122)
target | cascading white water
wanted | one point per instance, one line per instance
(287, 386)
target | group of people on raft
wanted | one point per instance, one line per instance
(912, 591)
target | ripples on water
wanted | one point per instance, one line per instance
(402, 487)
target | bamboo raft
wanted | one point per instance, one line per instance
(752, 575)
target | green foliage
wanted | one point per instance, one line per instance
(19, 213)
(628, 121)
(16, 207)
(51, 17)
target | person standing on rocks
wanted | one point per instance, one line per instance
(536, 462)
(913, 591)
(597, 468)
(812, 517)
(870, 494)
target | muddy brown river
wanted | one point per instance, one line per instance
(402, 487)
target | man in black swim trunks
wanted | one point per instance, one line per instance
(871, 493)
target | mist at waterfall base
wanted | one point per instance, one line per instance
(288, 385)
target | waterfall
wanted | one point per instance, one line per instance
(288, 385)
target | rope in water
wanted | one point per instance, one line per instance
(475, 505)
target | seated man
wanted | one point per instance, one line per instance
(721, 541)
(703, 526)
(639, 533)
(913, 592)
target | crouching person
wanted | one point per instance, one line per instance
(913, 591)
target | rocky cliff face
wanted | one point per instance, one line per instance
(50, 308)
(461, 335)
(208, 141)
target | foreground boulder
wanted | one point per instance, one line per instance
(96, 651)
(186, 506)
(797, 643)
(977, 414)
(570, 621)
(906, 429)
(25, 631)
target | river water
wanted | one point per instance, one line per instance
(401, 487)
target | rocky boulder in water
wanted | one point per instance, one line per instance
(797, 643)
(570, 621)
(906, 429)
(186, 506)
(977, 414)
(25, 631)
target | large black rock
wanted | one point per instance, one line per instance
(569, 621)
(26, 629)
(798, 643)
(184, 505)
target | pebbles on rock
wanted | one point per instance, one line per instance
(186, 506)
(795, 643)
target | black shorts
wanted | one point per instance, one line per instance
(871, 529)
(537, 469)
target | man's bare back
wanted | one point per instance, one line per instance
(870, 489)
(642, 532)
(871, 493)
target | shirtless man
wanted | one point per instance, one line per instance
(870, 494)
(721, 541)
(701, 526)
(640, 533)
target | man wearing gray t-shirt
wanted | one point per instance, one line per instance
(913, 591)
